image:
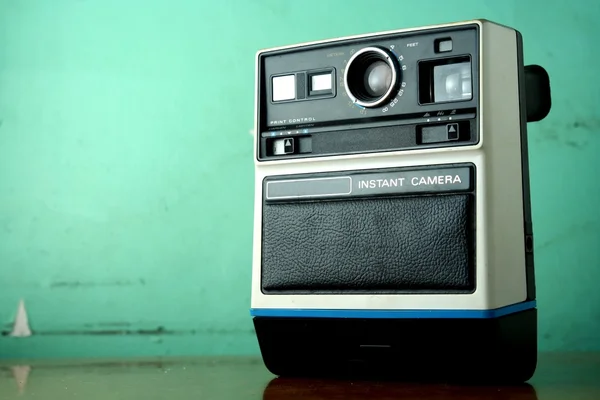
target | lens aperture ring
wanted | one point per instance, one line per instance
(354, 76)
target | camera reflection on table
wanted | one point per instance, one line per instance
(291, 389)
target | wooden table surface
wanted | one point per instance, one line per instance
(559, 376)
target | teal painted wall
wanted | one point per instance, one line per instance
(126, 164)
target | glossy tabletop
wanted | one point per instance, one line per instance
(559, 376)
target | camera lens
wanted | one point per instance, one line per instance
(378, 78)
(371, 76)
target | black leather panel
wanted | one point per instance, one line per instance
(375, 245)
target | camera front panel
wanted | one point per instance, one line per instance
(402, 91)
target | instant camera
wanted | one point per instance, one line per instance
(392, 220)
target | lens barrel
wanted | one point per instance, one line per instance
(371, 77)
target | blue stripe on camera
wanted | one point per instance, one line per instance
(391, 314)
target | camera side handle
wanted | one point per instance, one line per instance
(537, 92)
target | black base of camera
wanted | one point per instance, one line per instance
(486, 350)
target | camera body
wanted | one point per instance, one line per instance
(392, 230)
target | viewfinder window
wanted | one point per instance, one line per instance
(446, 80)
(452, 82)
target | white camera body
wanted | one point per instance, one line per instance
(392, 228)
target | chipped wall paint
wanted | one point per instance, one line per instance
(21, 327)
(120, 136)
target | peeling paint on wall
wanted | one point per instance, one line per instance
(158, 331)
(21, 326)
(78, 284)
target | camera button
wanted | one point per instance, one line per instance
(439, 133)
(452, 131)
(283, 146)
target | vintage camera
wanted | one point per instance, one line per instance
(392, 230)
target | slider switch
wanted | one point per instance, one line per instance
(283, 146)
(439, 133)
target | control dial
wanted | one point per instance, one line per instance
(372, 77)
